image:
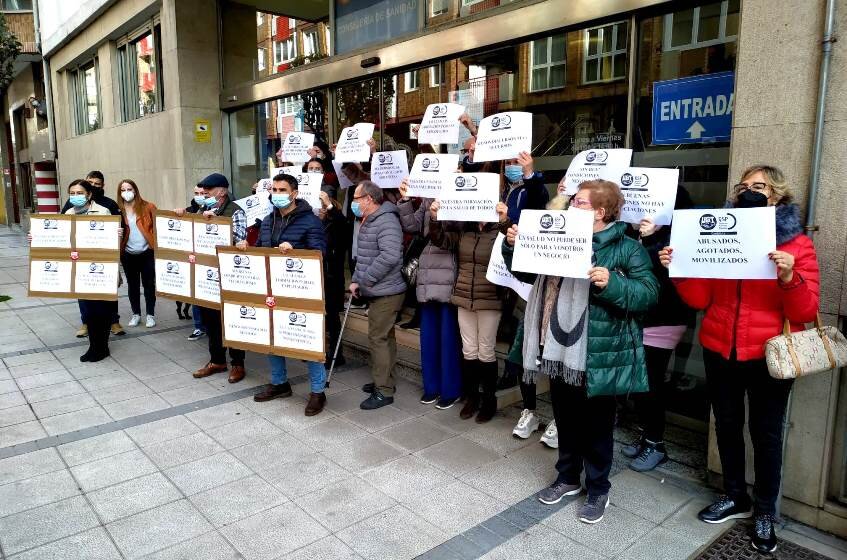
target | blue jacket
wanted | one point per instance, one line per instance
(530, 195)
(301, 228)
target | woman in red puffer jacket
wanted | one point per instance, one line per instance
(741, 315)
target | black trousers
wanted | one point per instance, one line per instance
(585, 436)
(214, 331)
(140, 270)
(528, 395)
(727, 382)
(651, 405)
(98, 319)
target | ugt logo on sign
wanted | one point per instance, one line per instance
(241, 261)
(429, 164)
(385, 159)
(597, 157)
(466, 183)
(353, 134)
(293, 138)
(51, 224)
(294, 264)
(174, 225)
(439, 111)
(501, 122)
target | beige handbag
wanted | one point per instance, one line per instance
(792, 355)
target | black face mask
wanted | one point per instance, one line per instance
(469, 166)
(751, 199)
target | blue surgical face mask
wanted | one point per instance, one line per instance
(281, 200)
(78, 200)
(513, 173)
(356, 208)
(210, 201)
(200, 199)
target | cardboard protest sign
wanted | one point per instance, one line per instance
(589, 164)
(255, 207)
(503, 136)
(174, 233)
(440, 124)
(296, 145)
(273, 303)
(731, 243)
(74, 257)
(208, 234)
(498, 274)
(469, 197)
(554, 242)
(173, 277)
(425, 178)
(388, 169)
(649, 193)
(353, 143)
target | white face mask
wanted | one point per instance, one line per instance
(128, 196)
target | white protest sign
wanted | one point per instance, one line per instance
(503, 136)
(498, 274)
(50, 276)
(173, 277)
(554, 242)
(296, 145)
(96, 278)
(469, 197)
(292, 170)
(425, 178)
(299, 330)
(293, 277)
(174, 234)
(353, 144)
(48, 232)
(97, 234)
(440, 124)
(587, 166)
(207, 285)
(474, 107)
(255, 207)
(210, 235)
(241, 273)
(731, 243)
(248, 324)
(343, 181)
(648, 193)
(309, 188)
(388, 169)
(264, 185)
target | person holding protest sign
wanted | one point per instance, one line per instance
(320, 151)
(197, 201)
(316, 165)
(217, 202)
(337, 232)
(524, 187)
(292, 225)
(377, 278)
(439, 325)
(741, 315)
(139, 218)
(479, 307)
(584, 334)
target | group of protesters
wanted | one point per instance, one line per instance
(598, 340)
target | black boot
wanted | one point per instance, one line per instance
(488, 406)
(509, 378)
(470, 387)
(98, 341)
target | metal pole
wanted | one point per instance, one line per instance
(340, 336)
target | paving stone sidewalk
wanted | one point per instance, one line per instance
(133, 458)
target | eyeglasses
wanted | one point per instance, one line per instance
(581, 203)
(360, 196)
(755, 187)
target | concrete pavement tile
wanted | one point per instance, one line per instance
(53, 391)
(74, 421)
(8, 386)
(407, 477)
(376, 420)
(306, 474)
(29, 465)
(332, 432)
(123, 392)
(272, 409)
(133, 496)
(672, 546)
(501, 526)
(274, 532)
(63, 405)
(450, 420)
(288, 415)
(416, 434)
(645, 496)
(378, 537)
(182, 450)
(496, 435)
(37, 491)
(45, 366)
(215, 416)
(234, 501)
(364, 453)
(160, 431)
(136, 406)
(20, 433)
(158, 528)
(169, 382)
(618, 530)
(106, 368)
(328, 548)
(112, 470)
(539, 543)
(468, 507)
(8, 400)
(685, 523)
(408, 399)
(44, 379)
(192, 393)
(93, 544)
(36, 527)
(344, 503)
(457, 455)
(222, 385)
(269, 455)
(243, 432)
(16, 415)
(209, 472)
(34, 358)
(441, 552)
(346, 401)
(507, 480)
(211, 546)
(465, 547)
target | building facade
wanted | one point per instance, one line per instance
(138, 84)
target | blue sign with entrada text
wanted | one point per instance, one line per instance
(693, 110)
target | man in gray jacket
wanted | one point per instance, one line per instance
(379, 257)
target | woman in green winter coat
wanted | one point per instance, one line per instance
(589, 361)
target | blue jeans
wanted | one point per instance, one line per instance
(279, 374)
(198, 319)
(440, 350)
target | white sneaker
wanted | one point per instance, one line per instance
(551, 436)
(134, 321)
(151, 322)
(527, 424)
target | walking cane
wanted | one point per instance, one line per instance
(340, 335)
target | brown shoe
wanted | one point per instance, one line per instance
(470, 407)
(316, 403)
(209, 369)
(271, 392)
(236, 374)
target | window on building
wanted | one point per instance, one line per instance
(285, 51)
(140, 73)
(438, 7)
(436, 76)
(16, 5)
(411, 81)
(290, 105)
(703, 26)
(605, 53)
(262, 53)
(547, 64)
(311, 44)
(85, 97)
(260, 18)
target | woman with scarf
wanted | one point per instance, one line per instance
(741, 315)
(585, 335)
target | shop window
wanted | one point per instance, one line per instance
(411, 81)
(702, 26)
(85, 97)
(547, 63)
(285, 51)
(605, 53)
(140, 74)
